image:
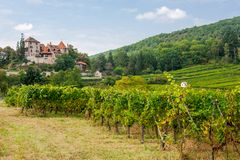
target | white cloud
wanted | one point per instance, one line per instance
(24, 27)
(163, 14)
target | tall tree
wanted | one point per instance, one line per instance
(3, 82)
(230, 36)
(110, 64)
(110, 59)
(121, 59)
(21, 49)
(100, 62)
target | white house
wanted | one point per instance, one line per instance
(98, 74)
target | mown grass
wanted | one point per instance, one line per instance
(30, 138)
(208, 76)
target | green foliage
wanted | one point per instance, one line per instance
(64, 62)
(118, 71)
(3, 82)
(8, 57)
(157, 80)
(109, 81)
(32, 76)
(198, 45)
(121, 59)
(67, 78)
(207, 116)
(130, 82)
(21, 49)
(45, 67)
(99, 63)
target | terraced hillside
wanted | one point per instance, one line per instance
(210, 76)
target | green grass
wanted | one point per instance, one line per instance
(209, 76)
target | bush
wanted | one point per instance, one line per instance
(158, 71)
(110, 81)
(118, 71)
(157, 80)
(67, 78)
(33, 75)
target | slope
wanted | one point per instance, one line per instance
(216, 76)
(195, 33)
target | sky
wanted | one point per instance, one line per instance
(95, 26)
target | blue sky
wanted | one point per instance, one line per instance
(95, 26)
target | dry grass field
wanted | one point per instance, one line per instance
(32, 138)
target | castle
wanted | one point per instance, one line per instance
(40, 53)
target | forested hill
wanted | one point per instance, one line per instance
(198, 45)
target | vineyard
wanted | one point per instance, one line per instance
(214, 76)
(177, 115)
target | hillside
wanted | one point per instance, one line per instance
(195, 33)
(217, 42)
(208, 76)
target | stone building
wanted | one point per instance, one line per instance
(40, 53)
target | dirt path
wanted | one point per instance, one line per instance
(67, 138)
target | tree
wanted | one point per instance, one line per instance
(169, 59)
(8, 55)
(99, 63)
(110, 59)
(110, 64)
(121, 59)
(73, 78)
(73, 52)
(216, 49)
(118, 71)
(21, 49)
(64, 62)
(3, 59)
(131, 65)
(66, 78)
(230, 36)
(32, 76)
(84, 58)
(3, 82)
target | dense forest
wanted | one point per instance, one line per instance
(214, 43)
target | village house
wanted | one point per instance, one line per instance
(40, 53)
(82, 66)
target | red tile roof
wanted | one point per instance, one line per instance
(82, 63)
(62, 45)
